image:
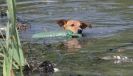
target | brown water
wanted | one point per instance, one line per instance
(107, 48)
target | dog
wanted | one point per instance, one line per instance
(75, 26)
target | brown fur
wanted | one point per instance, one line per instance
(73, 25)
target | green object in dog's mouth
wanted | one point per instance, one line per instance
(70, 34)
(67, 34)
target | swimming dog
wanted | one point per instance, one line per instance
(74, 26)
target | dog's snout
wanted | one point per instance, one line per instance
(79, 31)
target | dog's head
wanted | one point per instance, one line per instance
(74, 26)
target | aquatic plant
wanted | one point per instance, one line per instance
(11, 53)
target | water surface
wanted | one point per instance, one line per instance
(107, 48)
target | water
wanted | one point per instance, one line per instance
(106, 50)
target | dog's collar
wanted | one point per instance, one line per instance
(70, 34)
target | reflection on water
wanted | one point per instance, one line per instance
(97, 53)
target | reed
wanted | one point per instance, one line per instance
(11, 53)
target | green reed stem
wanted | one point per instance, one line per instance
(12, 50)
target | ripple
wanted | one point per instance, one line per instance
(32, 2)
(130, 6)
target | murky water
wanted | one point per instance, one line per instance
(106, 49)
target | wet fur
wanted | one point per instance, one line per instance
(74, 23)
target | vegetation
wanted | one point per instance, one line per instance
(10, 48)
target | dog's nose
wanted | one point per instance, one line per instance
(79, 31)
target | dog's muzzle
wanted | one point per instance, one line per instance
(70, 34)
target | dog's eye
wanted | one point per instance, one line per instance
(72, 25)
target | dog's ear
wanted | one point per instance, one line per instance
(62, 22)
(84, 25)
